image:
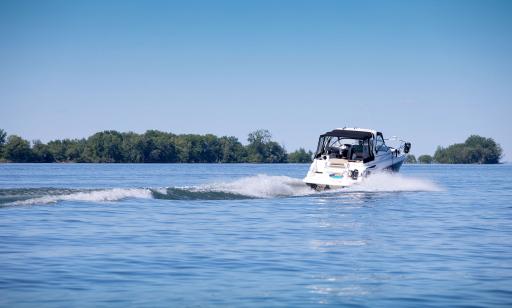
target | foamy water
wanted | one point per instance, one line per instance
(394, 182)
(113, 194)
(259, 186)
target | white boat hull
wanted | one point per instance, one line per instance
(323, 176)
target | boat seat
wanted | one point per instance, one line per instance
(333, 151)
(360, 155)
(337, 162)
(359, 152)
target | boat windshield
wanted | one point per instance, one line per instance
(344, 148)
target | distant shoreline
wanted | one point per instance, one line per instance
(475, 150)
(155, 146)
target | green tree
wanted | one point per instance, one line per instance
(231, 150)
(256, 149)
(57, 150)
(425, 159)
(275, 153)
(159, 147)
(475, 150)
(483, 150)
(17, 149)
(133, 148)
(3, 135)
(190, 148)
(260, 136)
(74, 150)
(300, 156)
(261, 148)
(211, 150)
(410, 159)
(105, 147)
(41, 153)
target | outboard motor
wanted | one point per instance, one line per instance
(407, 147)
(355, 174)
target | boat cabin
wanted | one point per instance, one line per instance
(351, 145)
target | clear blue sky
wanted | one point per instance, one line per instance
(433, 72)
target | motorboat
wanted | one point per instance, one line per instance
(346, 156)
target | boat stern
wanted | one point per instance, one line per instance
(324, 174)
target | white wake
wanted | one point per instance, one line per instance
(394, 182)
(113, 194)
(261, 186)
(268, 186)
(258, 186)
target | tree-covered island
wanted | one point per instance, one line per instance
(153, 146)
(475, 150)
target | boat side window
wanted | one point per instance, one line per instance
(320, 147)
(381, 146)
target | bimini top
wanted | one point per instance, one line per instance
(349, 133)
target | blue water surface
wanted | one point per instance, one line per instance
(447, 242)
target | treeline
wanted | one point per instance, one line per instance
(422, 159)
(475, 150)
(151, 147)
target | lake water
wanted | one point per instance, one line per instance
(252, 235)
